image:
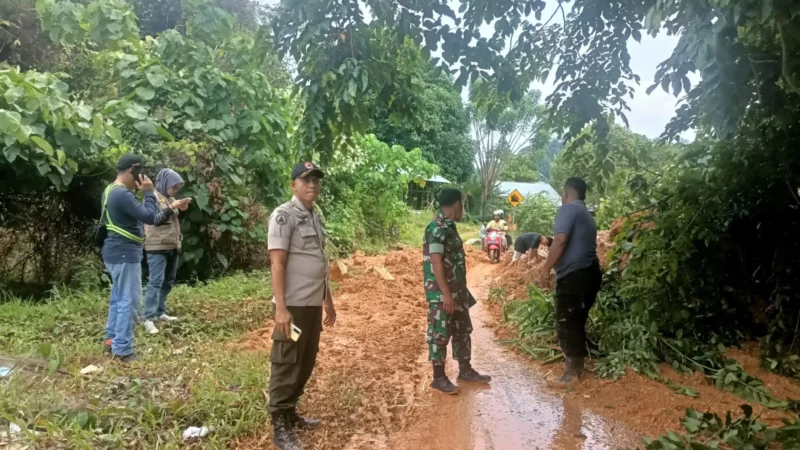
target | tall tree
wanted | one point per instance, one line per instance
(501, 135)
(439, 127)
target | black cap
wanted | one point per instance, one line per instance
(304, 169)
(128, 161)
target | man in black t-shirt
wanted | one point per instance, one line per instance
(528, 243)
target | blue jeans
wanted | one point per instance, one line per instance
(123, 309)
(163, 268)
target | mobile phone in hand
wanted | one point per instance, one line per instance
(295, 333)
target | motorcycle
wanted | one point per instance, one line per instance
(494, 245)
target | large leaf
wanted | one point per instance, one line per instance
(145, 93)
(11, 153)
(136, 111)
(13, 94)
(44, 145)
(145, 127)
(9, 121)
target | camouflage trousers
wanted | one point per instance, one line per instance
(442, 327)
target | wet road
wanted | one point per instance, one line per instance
(517, 411)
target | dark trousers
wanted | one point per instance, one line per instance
(293, 362)
(576, 292)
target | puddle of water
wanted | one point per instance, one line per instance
(516, 411)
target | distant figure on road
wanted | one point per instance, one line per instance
(444, 268)
(296, 242)
(162, 246)
(573, 254)
(123, 216)
(527, 244)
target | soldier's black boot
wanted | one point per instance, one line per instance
(470, 375)
(303, 423)
(572, 370)
(283, 435)
(443, 385)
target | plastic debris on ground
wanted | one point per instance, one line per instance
(197, 432)
(91, 368)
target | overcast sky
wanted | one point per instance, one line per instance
(649, 113)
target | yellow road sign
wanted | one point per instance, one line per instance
(515, 198)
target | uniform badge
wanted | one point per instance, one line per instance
(281, 217)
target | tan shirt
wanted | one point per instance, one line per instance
(300, 232)
(166, 236)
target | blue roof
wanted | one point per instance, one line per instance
(529, 189)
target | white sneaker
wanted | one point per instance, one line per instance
(167, 318)
(150, 327)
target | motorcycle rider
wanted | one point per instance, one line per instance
(498, 224)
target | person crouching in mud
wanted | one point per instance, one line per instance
(573, 254)
(444, 269)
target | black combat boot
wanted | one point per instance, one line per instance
(572, 370)
(443, 385)
(471, 375)
(282, 433)
(301, 422)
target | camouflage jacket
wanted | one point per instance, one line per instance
(441, 236)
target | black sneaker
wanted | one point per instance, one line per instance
(444, 386)
(107, 346)
(127, 358)
(472, 376)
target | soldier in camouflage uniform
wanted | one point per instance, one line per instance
(445, 277)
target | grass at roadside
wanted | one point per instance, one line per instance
(413, 228)
(188, 375)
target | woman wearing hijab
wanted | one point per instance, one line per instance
(162, 245)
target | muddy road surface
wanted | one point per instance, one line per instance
(516, 411)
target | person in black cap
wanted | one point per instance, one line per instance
(301, 291)
(123, 216)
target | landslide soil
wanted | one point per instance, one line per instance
(645, 405)
(370, 385)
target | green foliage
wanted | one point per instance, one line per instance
(107, 24)
(364, 190)
(620, 175)
(536, 320)
(46, 135)
(536, 214)
(198, 102)
(523, 167)
(439, 127)
(709, 431)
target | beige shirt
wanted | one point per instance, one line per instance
(166, 236)
(300, 232)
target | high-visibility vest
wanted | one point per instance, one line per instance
(109, 224)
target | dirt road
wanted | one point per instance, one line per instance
(370, 386)
(517, 411)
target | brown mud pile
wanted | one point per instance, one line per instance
(645, 405)
(367, 375)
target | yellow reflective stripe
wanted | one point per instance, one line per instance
(110, 225)
(124, 233)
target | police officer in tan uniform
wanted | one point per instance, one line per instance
(296, 242)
